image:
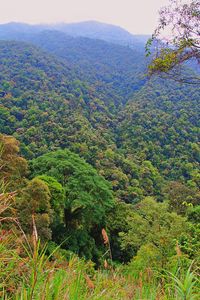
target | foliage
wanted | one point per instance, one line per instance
(153, 229)
(108, 153)
(57, 199)
(162, 126)
(186, 287)
(47, 106)
(87, 198)
(85, 190)
(27, 272)
(177, 35)
(12, 166)
(35, 201)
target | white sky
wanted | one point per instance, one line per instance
(137, 16)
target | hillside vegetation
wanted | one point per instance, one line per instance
(99, 172)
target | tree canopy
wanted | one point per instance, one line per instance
(177, 41)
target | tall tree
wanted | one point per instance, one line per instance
(177, 39)
(35, 202)
(88, 198)
(13, 167)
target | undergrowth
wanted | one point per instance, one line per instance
(28, 271)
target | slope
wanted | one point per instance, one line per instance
(44, 103)
(90, 29)
(116, 71)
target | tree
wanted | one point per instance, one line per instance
(117, 222)
(87, 194)
(180, 197)
(177, 41)
(57, 200)
(87, 199)
(35, 201)
(13, 167)
(152, 224)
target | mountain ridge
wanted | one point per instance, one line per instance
(90, 29)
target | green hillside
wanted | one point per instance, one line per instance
(99, 181)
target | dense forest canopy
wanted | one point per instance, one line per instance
(100, 159)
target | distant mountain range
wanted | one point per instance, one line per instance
(116, 70)
(90, 29)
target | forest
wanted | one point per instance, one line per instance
(99, 181)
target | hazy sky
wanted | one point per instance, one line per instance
(137, 16)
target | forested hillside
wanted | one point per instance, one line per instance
(100, 160)
(112, 69)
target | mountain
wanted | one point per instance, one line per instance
(93, 97)
(15, 30)
(102, 31)
(114, 70)
(161, 124)
(46, 105)
(39, 92)
(96, 161)
(90, 29)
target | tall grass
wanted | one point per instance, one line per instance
(28, 271)
(185, 287)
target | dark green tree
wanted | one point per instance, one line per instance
(88, 197)
(34, 201)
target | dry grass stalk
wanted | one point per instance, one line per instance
(106, 243)
(105, 264)
(149, 274)
(6, 200)
(89, 282)
(178, 250)
(35, 256)
(105, 236)
(35, 234)
(140, 285)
